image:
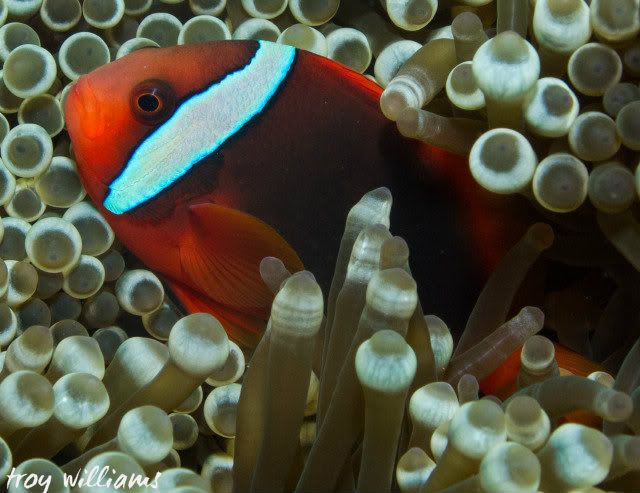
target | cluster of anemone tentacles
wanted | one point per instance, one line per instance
(366, 393)
(397, 407)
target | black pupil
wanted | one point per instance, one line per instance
(148, 102)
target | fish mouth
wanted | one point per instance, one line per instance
(83, 112)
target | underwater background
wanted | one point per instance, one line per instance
(492, 345)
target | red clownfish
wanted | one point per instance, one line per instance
(207, 158)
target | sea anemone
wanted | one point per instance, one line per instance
(356, 389)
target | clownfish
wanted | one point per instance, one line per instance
(207, 158)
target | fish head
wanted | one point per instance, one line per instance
(111, 111)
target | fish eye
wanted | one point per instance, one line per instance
(149, 103)
(152, 101)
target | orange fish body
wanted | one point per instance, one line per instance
(502, 381)
(207, 158)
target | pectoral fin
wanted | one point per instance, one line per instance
(246, 330)
(221, 257)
